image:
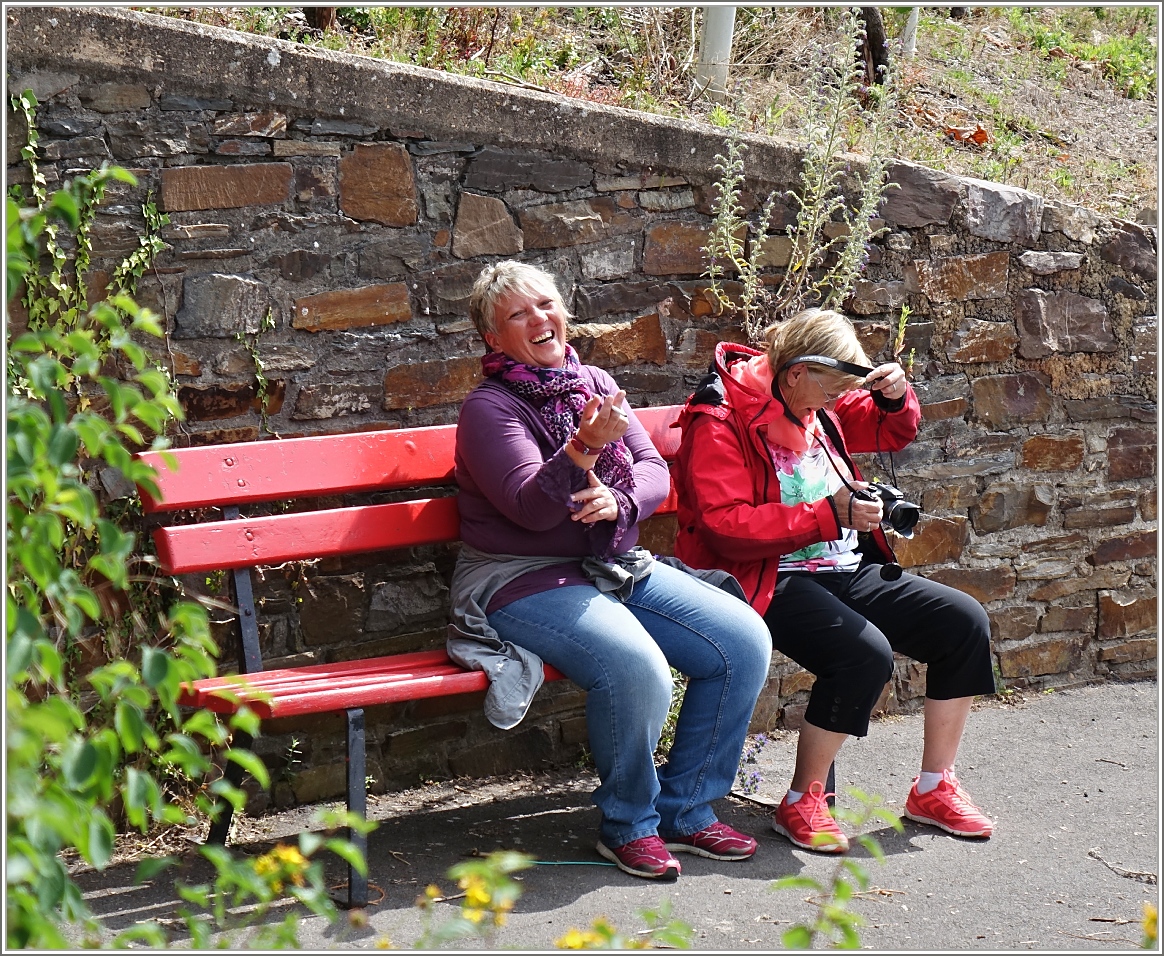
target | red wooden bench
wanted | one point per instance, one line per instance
(232, 477)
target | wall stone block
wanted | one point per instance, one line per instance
(624, 343)
(956, 496)
(666, 200)
(377, 185)
(1143, 650)
(265, 123)
(1003, 213)
(1144, 342)
(1048, 263)
(495, 169)
(353, 308)
(975, 341)
(556, 225)
(220, 436)
(1003, 401)
(319, 402)
(220, 306)
(1051, 322)
(1052, 453)
(1061, 618)
(517, 750)
(115, 97)
(484, 228)
(1108, 578)
(869, 297)
(431, 383)
(243, 147)
(1038, 659)
(982, 584)
(1004, 506)
(934, 541)
(1138, 544)
(1148, 504)
(408, 601)
(1097, 509)
(1131, 248)
(225, 187)
(300, 264)
(960, 278)
(1123, 615)
(1014, 623)
(1110, 406)
(609, 261)
(306, 147)
(674, 248)
(923, 196)
(1075, 222)
(336, 610)
(208, 402)
(1131, 453)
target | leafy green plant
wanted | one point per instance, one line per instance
(88, 744)
(662, 932)
(488, 895)
(834, 920)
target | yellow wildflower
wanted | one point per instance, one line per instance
(1151, 931)
(476, 892)
(572, 940)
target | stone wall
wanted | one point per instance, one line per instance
(352, 203)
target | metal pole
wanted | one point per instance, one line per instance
(909, 35)
(715, 51)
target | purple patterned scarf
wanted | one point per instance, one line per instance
(559, 395)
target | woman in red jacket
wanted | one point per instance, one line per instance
(767, 491)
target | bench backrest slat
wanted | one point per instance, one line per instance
(254, 542)
(249, 472)
(252, 472)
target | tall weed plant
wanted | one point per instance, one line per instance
(836, 200)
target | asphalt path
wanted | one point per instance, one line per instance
(1070, 777)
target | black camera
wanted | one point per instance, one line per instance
(902, 515)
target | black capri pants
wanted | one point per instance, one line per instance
(843, 627)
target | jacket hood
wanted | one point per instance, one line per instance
(741, 383)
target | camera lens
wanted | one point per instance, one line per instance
(903, 516)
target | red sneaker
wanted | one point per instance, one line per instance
(716, 841)
(948, 806)
(646, 857)
(808, 822)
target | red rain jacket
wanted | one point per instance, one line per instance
(730, 515)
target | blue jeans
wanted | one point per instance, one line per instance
(619, 653)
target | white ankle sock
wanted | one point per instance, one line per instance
(927, 781)
(793, 796)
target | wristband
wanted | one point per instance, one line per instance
(582, 448)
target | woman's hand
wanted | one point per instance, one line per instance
(856, 513)
(598, 502)
(888, 379)
(603, 420)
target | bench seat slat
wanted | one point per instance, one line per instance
(324, 688)
(248, 472)
(250, 542)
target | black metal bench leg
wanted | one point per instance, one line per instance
(357, 804)
(831, 784)
(220, 824)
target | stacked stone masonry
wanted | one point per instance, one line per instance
(353, 203)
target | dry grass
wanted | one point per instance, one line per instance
(1034, 99)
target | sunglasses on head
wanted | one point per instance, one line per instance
(848, 368)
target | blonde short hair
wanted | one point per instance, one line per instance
(816, 332)
(503, 278)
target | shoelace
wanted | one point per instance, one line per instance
(960, 799)
(820, 819)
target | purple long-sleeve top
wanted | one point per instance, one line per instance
(515, 484)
